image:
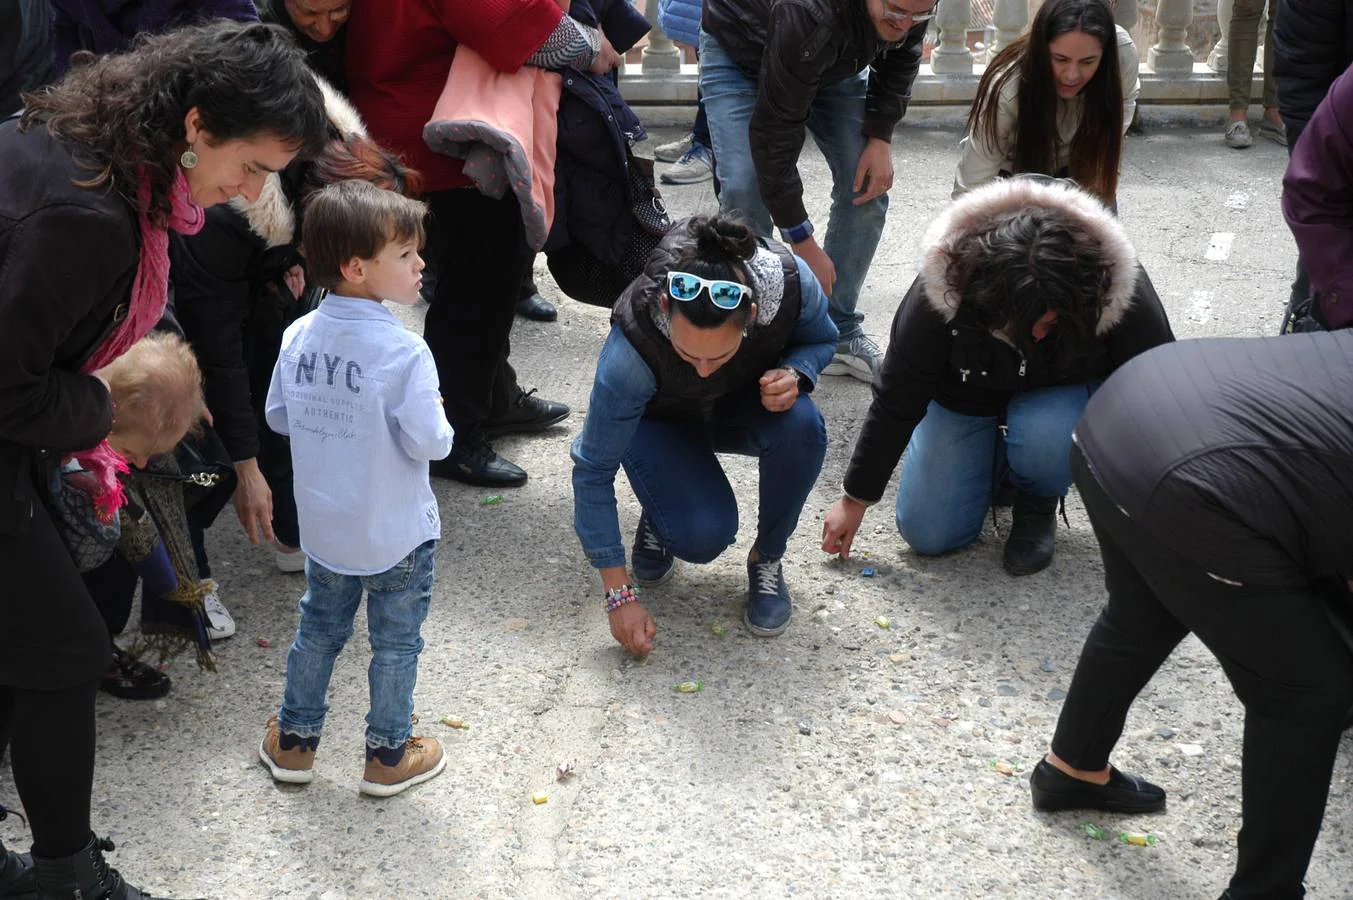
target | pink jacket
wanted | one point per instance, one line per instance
(504, 127)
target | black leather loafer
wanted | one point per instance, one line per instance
(478, 465)
(1053, 790)
(525, 415)
(536, 308)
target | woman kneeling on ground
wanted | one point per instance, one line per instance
(714, 349)
(1029, 295)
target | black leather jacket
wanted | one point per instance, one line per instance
(792, 47)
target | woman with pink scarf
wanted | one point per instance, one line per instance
(97, 170)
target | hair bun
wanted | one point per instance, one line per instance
(722, 238)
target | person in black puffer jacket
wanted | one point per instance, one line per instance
(1218, 477)
(1029, 295)
(1313, 44)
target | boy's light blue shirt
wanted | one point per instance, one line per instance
(358, 395)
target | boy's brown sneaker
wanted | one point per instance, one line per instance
(420, 759)
(294, 765)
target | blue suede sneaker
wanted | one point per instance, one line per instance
(768, 602)
(652, 562)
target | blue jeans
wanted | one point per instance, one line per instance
(835, 123)
(682, 487)
(954, 463)
(397, 604)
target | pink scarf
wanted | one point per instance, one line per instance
(150, 294)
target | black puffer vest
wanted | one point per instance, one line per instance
(682, 394)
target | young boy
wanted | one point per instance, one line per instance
(358, 395)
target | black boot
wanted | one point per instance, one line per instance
(84, 876)
(18, 881)
(1029, 547)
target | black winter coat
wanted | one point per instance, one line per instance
(25, 50)
(933, 355)
(68, 257)
(1312, 46)
(791, 47)
(593, 204)
(1236, 453)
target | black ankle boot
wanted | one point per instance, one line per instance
(84, 876)
(17, 878)
(1029, 547)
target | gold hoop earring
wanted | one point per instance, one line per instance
(188, 159)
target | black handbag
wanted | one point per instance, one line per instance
(584, 277)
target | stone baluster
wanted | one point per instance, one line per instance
(1011, 17)
(1172, 56)
(1216, 60)
(1125, 13)
(661, 55)
(951, 55)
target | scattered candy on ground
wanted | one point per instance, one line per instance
(563, 770)
(1138, 839)
(689, 687)
(452, 722)
(883, 622)
(1002, 767)
(718, 629)
(491, 500)
(540, 797)
(263, 642)
(1094, 831)
(867, 571)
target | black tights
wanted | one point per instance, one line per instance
(51, 750)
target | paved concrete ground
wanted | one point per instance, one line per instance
(838, 760)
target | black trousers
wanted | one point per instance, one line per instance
(53, 648)
(1281, 652)
(481, 258)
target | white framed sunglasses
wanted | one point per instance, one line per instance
(898, 16)
(686, 287)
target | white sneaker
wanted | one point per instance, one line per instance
(696, 166)
(673, 150)
(1238, 135)
(220, 624)
(289, 560)
(858, 357)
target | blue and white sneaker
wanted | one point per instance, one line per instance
(768, 602)
(652, 562)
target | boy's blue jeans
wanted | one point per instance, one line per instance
(836, 124)
(397, 604)
(682, 487)
(954, 463)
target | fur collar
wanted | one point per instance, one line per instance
(1001, 198)
(271, 216)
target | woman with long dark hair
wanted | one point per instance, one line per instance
(1057, 101)
(98, 169)
(1029, 295)
(713, 349)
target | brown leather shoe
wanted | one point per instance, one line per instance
(294, 766)
(423, 759)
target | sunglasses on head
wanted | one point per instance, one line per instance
(724, 294)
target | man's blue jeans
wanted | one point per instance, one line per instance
(682, 487)
(835, 123)
(954, 463)
(397, 604)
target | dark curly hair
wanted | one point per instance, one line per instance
(123, 114)
(719, 247)
(1024, 265)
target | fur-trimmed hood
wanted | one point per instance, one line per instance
(272, 216)
(976, 212)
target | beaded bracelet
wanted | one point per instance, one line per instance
(618, 597)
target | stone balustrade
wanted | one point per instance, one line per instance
(1170, 73)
